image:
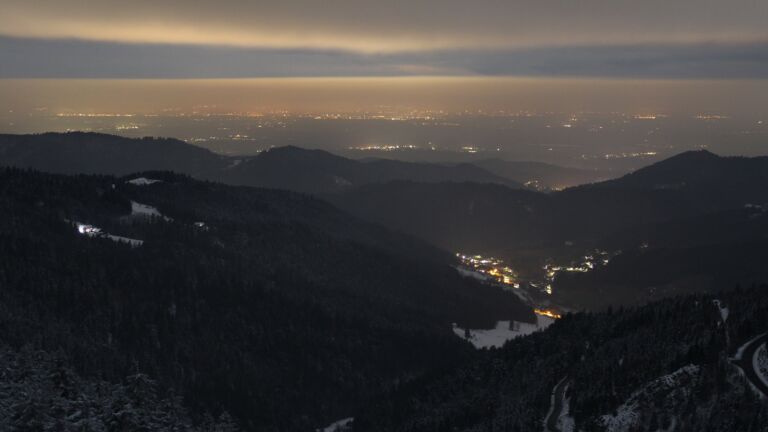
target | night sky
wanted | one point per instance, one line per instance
(683, 56)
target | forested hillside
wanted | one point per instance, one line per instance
(665, 366)
(690, 223)
(41, 392)
(91, 153)
(271, 306)
(319, 172)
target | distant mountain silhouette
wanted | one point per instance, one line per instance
(460, 216)
(696, 169)
(93, 153)
(317, 171)
(291, 168)
(685, 185)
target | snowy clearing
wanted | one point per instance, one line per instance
(338, 426)
(723, 310)
(341, 181)
(504, 331)
(566, 423)
(138, 209)
(143, 210)
(143, 181)
(670, 389)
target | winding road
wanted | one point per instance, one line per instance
(556, 408)
(746, 364)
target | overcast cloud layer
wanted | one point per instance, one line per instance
(392, 25)
(244, 38)
(31, 58)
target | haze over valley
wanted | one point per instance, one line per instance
(614, 125)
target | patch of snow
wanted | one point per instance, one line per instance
(522, 294)
(566, 423)
(341, 181)
(473, 274)
(542, 322)
(627, 416)
(143, 210)
(740, 352)
(143, 181)
(760, 363)
(504, 331)
(338, 426)
(723, 310)
(235, 163)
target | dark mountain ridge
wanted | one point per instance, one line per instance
(709, 227)
(691, 168)
(317, 171)
(92, 153)
(704, 183)
(292, 168)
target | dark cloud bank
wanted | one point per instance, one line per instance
(42, 58)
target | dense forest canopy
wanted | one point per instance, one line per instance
(272, 306)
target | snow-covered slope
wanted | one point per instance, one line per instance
(143, 210)
(668, 390)
(142, 181)
(338, 426)
(504, 331)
